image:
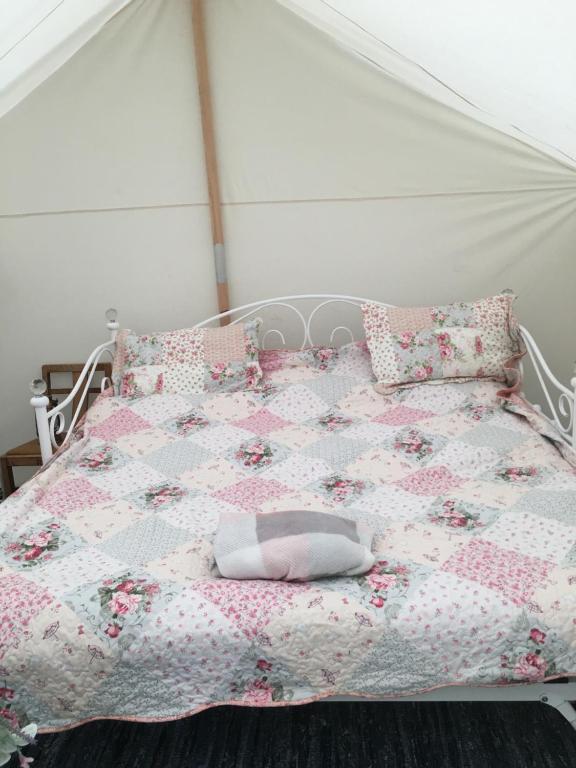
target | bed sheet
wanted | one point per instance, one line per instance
(111, 607)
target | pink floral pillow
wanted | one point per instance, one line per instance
(320, 358)
(459, 341)
(285, 366)
(188, 361)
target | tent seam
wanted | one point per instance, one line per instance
(31, 31)
(287, 201)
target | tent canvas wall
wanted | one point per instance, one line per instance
(340, 171)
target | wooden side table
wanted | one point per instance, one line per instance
(28, 454)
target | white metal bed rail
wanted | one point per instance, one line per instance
(51, 423)
(557, 694)
(558, 398)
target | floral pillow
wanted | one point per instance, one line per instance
(459, 341)
(320, 358)
(281, 366)
(188, 361)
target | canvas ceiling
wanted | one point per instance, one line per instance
(510, 65)
(335, 176)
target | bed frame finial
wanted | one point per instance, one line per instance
(112, 322)
(40, 402)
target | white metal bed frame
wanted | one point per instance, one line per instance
(559, 399)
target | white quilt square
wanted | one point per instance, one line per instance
(420, 542)
(129, 478)
(497, 495)
(531, 535)
(144, 442)
(211, 476)
(372, 432)
(465, 460)
(229, 406)
(456, 620)
(363, 402)
(221, 438)
(82, 567)
(450, 425)
(296, 436)
(379, 466)
(298, 404)
(297, 499)
(507, 420)
(436, 398)
(559, 481)
(102, 521)
(194, 643)
(198, 514)
(395, 503)
(62, 648)
(296, 471)
(187, 562)
(158, 408)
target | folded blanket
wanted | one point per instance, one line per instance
(294, 546)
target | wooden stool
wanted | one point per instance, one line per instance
(28, 454)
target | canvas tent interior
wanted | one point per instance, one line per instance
(405, 152)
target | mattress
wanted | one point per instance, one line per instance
(111, 606)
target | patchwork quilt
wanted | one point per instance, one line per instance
(110, 605)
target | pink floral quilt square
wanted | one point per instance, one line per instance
(70, 495)
(20, 601)
(511, 574)
(262, 422)
(123, 422)
(250, 494)
(402, 415)
(430, 481)
(251, 604)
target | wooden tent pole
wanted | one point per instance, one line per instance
(207, 117)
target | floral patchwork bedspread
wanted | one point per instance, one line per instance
(110, 605)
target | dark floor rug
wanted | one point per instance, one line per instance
(326, 735)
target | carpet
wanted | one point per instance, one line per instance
(326, 735)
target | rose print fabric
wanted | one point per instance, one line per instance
(111, 606)
(191, 360)
(457, 341)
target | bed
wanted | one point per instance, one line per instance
(111, 607)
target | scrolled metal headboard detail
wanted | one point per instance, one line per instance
(302, 314)
(304, 317)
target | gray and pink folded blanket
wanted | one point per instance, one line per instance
(292, 546)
